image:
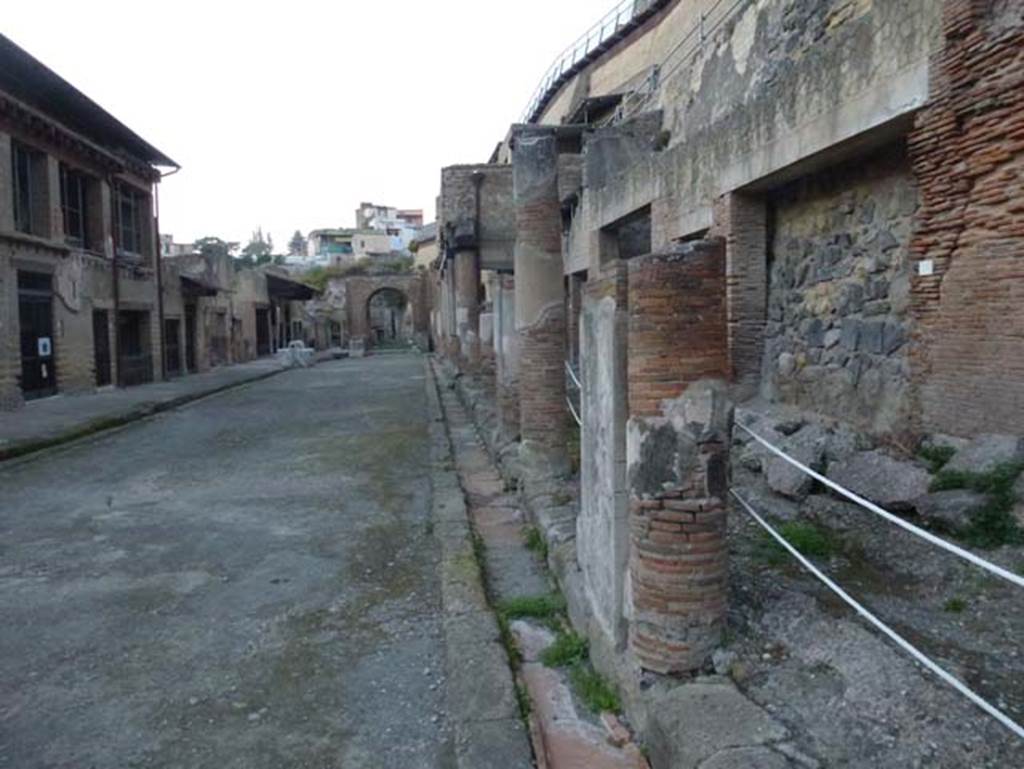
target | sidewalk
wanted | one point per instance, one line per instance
(62, 418)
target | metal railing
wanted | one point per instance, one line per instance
(573, 385)
(590, 41)
(623, 14)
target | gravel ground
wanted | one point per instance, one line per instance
(854, 698)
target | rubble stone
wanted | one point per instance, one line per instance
(884, 480)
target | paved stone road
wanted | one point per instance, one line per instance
(246, 582)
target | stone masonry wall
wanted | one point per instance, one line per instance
(838, 293)
(967, 149)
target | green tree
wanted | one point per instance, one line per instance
(297, 245)
(214, 246)
(260, 247)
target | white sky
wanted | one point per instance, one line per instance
(287, 114)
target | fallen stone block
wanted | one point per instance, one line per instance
(886, 481)
(950, 509)
(986, 452)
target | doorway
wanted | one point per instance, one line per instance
(172, 346)
(35, 315)
(262, 332)
(190, 338)
(101, 347)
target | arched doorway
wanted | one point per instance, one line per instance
(389, 318)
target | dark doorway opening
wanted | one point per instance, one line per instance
(388, 315)
(35, 316)
(190, 338)
(134, 362)
(101, 347)
(262, 332)
(172, 346)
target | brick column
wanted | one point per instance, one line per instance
(677, 449)
(539, 301)
(467, 305)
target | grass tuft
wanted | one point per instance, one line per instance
(936, 456)
(808, 539)
(569, 648)
(593, 689)
(535, 541)
(993, 524)
(535, 606)
(955, 605)
(523, 702)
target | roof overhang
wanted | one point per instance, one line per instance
(195, 287)
(32, 82)
(279, 287)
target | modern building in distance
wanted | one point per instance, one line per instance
(400, 224)
(424, 246)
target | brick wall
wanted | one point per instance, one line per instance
(542, 409)
(967, 151)
(745, 220)
(677, 323)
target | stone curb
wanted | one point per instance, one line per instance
(135, 414)
(481, 698)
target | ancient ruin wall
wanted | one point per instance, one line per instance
(839, 292)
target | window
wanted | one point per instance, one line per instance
(26, 167)
(74, 206)
(129, 219)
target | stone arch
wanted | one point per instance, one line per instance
(412, 288)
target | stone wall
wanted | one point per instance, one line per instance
(839, 292)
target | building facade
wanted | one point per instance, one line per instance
(79, 262)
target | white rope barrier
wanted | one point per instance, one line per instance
(912, 650)
(572, 375)
(572, 410)
(999, 571)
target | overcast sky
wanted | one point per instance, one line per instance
(286, 115)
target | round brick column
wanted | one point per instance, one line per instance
(677, 453)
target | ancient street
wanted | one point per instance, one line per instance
(246, 582)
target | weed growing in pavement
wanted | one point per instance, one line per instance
(955, 605)
(508, 640)
(569, 648)
(535, 541)
(593, 689)
(523, 701)
(993, 524)
(543, 607)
